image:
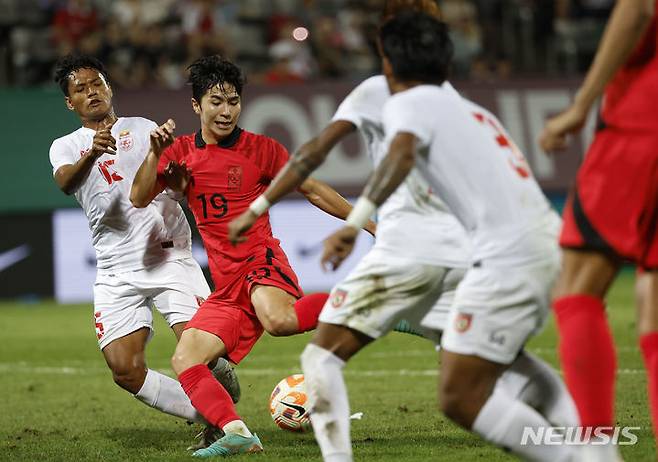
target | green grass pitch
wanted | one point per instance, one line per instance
(59, 402)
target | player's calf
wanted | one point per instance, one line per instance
(129, 376)
(466, 384)
(125, 358)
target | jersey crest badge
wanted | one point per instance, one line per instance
(463, 322)
(234, 177)
(125, 140)
(338, 298)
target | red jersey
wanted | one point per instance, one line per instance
(631, 97)
(226, 178)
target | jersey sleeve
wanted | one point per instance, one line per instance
(61, 153)
(364, 102)
(405, 113)
(277, 159)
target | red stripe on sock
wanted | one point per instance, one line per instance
(308, 310)
(649, 346)
(208, 397)
(588, 357)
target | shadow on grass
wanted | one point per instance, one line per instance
(158, 439)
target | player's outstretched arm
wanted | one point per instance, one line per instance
(309, 157)
(627, 24)
(383, 182)
(145, 185)
(69, 177)
(329, 201)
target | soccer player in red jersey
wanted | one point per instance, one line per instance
(221, 169)
(612, 213)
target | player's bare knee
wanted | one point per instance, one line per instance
(181, 361)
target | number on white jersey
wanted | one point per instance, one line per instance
(516, 160)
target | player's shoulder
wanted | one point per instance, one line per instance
(371, 92)
(187, 141)
(259, 140)
(425, 101)
(137, 123)
(70, 139)
(375, 85)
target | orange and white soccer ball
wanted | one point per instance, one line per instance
(288, 404)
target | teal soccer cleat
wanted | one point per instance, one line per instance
(230, 445)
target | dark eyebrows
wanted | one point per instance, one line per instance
(224, 97)
(82, 84)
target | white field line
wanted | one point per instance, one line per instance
(26, 368)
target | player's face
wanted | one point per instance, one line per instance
(220, 110)
(89, 94)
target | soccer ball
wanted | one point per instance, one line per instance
(288, 404)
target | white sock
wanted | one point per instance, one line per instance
(237, 426)
(328, 403)
(545, 391)
(502, 420)
(166, 394)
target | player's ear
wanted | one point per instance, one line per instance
(68, 103)
(196, 106)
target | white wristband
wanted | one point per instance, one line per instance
(361, 213)
(260, 205)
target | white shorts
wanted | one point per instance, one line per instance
(380, 291)
(123, 301)
(497, 309)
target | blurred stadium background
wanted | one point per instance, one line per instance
(522, 59)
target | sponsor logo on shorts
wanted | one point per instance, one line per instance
(497, 337)
(234, 177)
(199, 300)
(338, 298)
(125, 140)
(463, 322)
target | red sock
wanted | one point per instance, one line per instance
(649, 345)
(208, 397)
(588, 357)
(308, 310)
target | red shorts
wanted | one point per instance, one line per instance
(614, 205)
(228, 312)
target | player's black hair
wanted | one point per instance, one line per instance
(213, 70)
(73, 62)
(418, 47)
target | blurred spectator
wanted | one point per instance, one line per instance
(204, 24)
(72, 22)
(140, 13)
(150, 42)
(282, 69)
(461, 17)
(296, 53)
(359, 32)
(328, 47)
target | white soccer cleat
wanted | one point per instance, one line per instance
(225, 374)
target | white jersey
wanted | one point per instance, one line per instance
(413, 222)
(474, 166)
(125, 238)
